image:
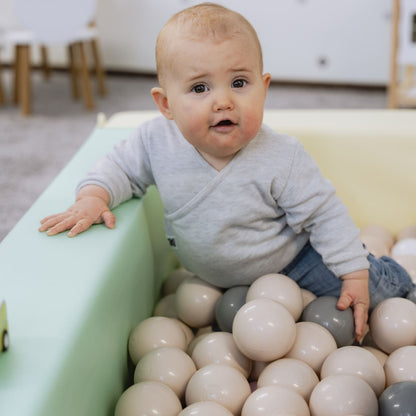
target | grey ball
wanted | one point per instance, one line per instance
(323, 311)
(399, 399)
(228, 305)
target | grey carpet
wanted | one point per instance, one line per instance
(33, 150)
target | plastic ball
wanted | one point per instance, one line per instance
(399, 399)
(148, 398)
(293, 374)
(189, 334)
(407, 232)
(172, 282)
(378, 232)
(166, 307)
(220, 348)
(275, 400)
(380, 355)
(408, 262)
(228, 305)
(407, 246)
(401, 365)
(375, 246)
(219, 383)
(323, 311)
(170, 366)
(355, 361)
(341, 395)
(307, 297)
(312, 345)
(264, 330)
(205, 409)
(155, 332)
(279, 288)
(195, 302)
(393, 324)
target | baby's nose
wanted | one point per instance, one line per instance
(223, 101)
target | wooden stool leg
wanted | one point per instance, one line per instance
(86, 86)
(2, 99)
(24, 80)
(16, 75)
(72, 52)
(392, 88)
(98, 68)
(46, 69)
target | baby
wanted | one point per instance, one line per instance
(240, 199)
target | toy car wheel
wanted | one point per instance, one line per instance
(5, 340)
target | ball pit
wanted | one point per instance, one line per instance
(269, 355)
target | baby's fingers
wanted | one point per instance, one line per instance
(65, 224)
(81, 226)
(51, 221)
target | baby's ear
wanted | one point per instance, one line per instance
(161, 100)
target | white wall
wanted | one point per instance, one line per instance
(330, 41)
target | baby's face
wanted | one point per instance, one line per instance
(215, 93)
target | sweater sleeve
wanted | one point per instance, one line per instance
(124, 172)
(311, 204)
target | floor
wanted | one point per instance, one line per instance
(34, 149)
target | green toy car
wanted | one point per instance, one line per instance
(4, 329)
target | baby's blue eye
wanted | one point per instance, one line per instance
(200, 88)
(239, 83)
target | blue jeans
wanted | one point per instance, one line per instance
(387, 278)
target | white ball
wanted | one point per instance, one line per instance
(219, 383)
(220, 348)
(393, 324)
(401, 365)
(148, 398)
(168, 365)
(155, 332)
(280, 288)
(408, 262)
(357, 361)
(263, 330)
(275, 400)
(195, 302)
(293, 374)
(380, 355)
(342, 395)
(205, 409)
(407, 246)
(312, 345)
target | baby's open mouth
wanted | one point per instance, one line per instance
(225, 123)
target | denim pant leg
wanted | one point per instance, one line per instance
(386, 277)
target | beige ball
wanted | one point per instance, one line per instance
(312, 345)
(342, 395)
(378, 232)
(166, 307)
(175, 278)
(307, 297)
(275, 400)
(195, 302)
(407, 232)
(393, 324)
(168, 365)
(293, 374)
(155, 332)
(380, 355)
(401, 365)
(264, 330)
(220, 348)
(279, 288)
(148, 398)
(219, 383)
(205, 409)
(357, 361)
(408, 262)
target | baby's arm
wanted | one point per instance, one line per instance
(354, 292)
(90, 207)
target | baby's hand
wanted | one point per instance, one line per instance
(90, 208)
(354, 292)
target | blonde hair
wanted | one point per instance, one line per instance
(203, 21)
